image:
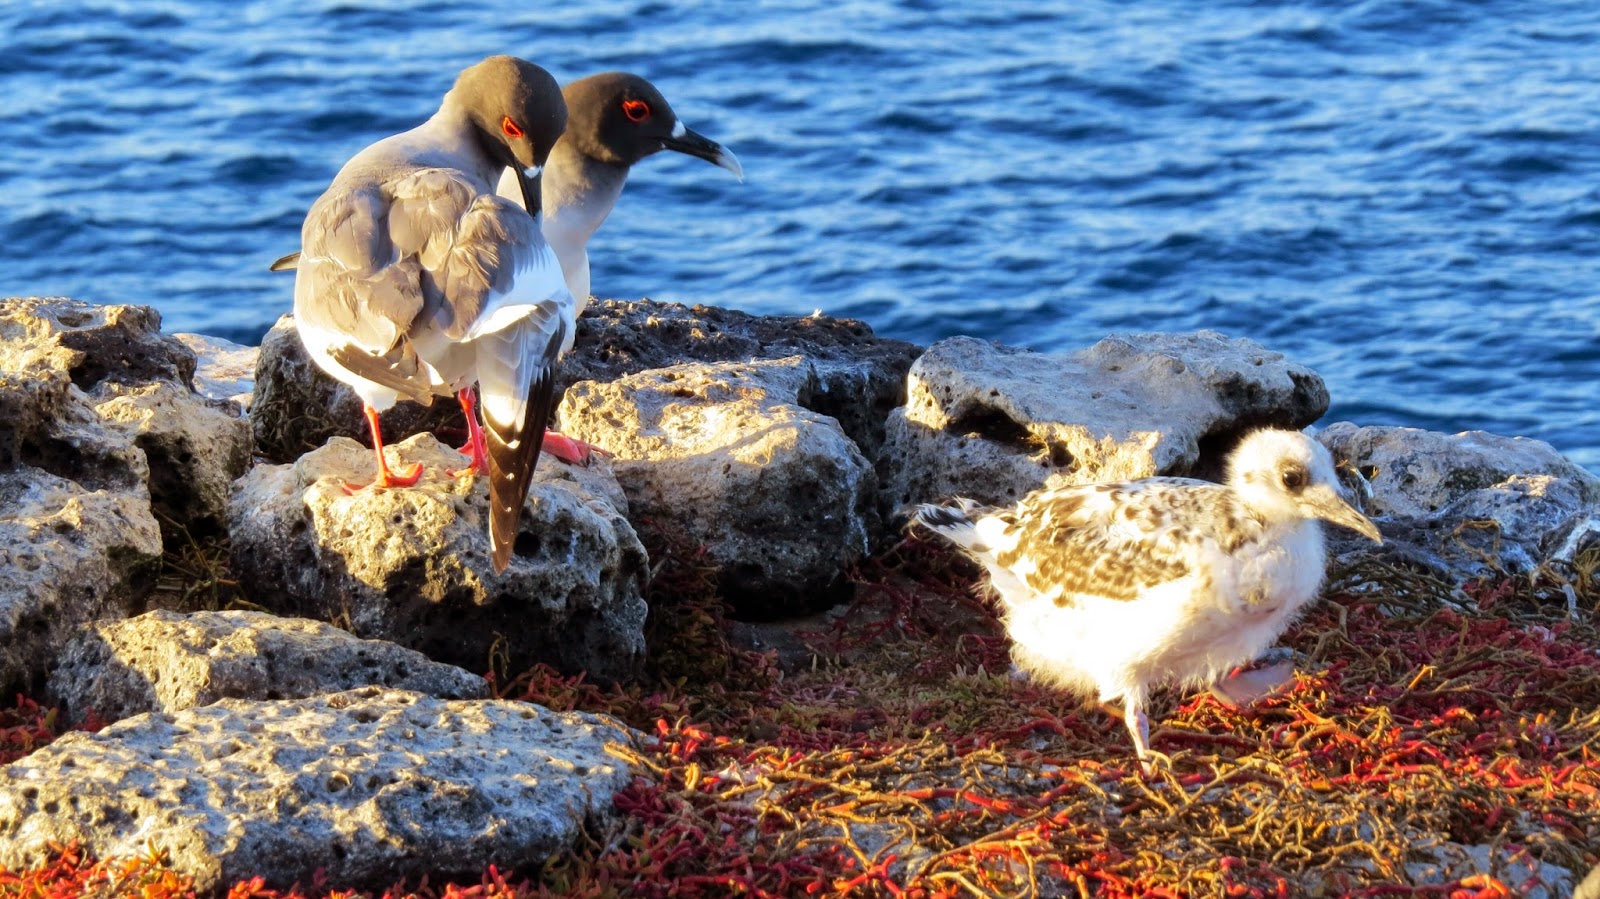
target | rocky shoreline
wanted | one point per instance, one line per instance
(343, 728)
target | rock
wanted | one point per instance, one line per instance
(371, 786)
(1449, 862)
(69, 554)
(141, 384)
(77, 538)
(224, 370)
(165, 661)
(1473, 504)
(1415, 473)
(412, 565)
(859, 377)
(92, 344)
(726, 456)
(195, 447)
(993, 423)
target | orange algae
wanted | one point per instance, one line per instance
(905, 761)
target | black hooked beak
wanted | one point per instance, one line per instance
(685, 140)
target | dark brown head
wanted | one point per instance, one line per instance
(619, 119)
(517, 109)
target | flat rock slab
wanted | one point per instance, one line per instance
(166, 661)
(993, 423)
(860, 376)
(224, 370)
(411, 565)
(370, 786)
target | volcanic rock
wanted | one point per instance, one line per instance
(165, 661)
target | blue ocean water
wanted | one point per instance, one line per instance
(1403, 195)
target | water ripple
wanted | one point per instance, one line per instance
(1401, 196)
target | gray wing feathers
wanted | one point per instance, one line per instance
(350, 279)
(470, 244)
(426, 250)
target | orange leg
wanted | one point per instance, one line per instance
(569, 449)
(386, 478)
(476, 447)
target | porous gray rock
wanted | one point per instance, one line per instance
(69, 554)
(371, 786)
(728, 456)
(1472, 504)
(195, 447)
(224, 370)
(140, 383)
(992, 423)
(164, 661)
(859, 376)
(78, 540)
(412, 565)
(1415, 473)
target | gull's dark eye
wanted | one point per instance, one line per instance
(636, 110)
(1295, 478)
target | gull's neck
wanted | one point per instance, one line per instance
(578, 192)
(449, 140)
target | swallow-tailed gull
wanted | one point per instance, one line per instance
(415, 280)
(614, 120)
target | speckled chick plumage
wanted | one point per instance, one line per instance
(1113, 589)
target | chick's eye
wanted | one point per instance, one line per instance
(1294, 478)
(510, 128)
(636, 110)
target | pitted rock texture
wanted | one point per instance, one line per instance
(1415, 473)
(992, 423)
(411, 565)
(141, 385)
(78, 539)
(859, 376)
(372, 786)
(727, 455)
(91, 344)
(68, 555)
(1472, 504)
(165, 661)
(224, 370)
(195, 448)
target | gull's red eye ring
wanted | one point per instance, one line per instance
(510, 128)
(636, 110)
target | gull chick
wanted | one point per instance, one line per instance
(415, 280)
(1113, 589)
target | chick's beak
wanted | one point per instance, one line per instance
(1325, 503)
